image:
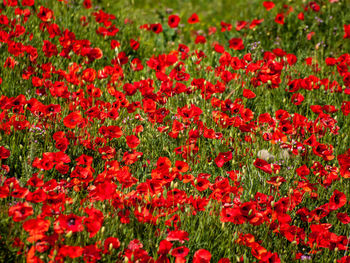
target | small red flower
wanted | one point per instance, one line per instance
(268, 5)
(263, 165)
(301, 16)
(236, 43)
(27, 2)
(49, 49)
(45, 14)
(173, 21)
(4, 153)
(346, 31)
(132, 141)
(202, 256)
(344, 218)
(134, 44)
(279, 19)
(71, 222)
(193, 19)
(87, 4)
(20, 211)
(247, 93)
(73, 119)
(180, 252)
(337, 200)
(222, 158)
(297, 99)
(111, 242)
(156, 28)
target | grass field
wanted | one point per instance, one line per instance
(174, 131)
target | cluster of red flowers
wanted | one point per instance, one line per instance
(92, 122)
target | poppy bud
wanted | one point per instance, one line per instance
(69, 234)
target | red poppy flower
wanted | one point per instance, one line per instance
(219, 48)
(345, 107)
(173, 21)
(222, 158)
(181, 166)
(225, 26)
(70, 222)
(4, 153)
(20, 211)
(87, 4)
(241, 24)
(268, 5)
(134, 44)
(36, 228)
(164, 247)
(156, 28)
(302, 171)
(236, 43)
(247, 93)
(180, 252)
(70, 251)
(111, 242)
(132, 141)
(93, 225)
(263, 165)
(297, 99)
(279, 19)
(255, 22)
(291, 59)
(337, 200)
(346, 31)
(28, 2)
(200, 40)
(92, 253)
(107, 152)
(193, 19)
(4, 191)
(49, 49)
(89, 75)
(233, 215)
(45, 14)
(310, 35)
(201, 256)
(73, 119)
(301, 16)
(344, 218)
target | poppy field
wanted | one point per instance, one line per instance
(174, 131)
